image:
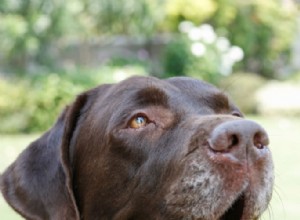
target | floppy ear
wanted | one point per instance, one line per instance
(38, 184)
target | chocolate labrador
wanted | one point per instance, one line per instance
(145, 149)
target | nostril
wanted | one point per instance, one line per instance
(223, 141)
(260, 140)
(233, 141)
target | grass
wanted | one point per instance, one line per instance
(285, 144)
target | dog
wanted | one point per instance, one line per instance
(145, 148)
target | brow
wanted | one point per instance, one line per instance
(152, 96)
(219, 101)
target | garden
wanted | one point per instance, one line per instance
(53, 50)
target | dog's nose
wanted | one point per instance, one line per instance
(239, 138)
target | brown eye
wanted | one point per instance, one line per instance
(139, 121)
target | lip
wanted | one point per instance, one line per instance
(236, 210)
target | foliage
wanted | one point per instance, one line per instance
(201, 53)
(177, 56)
(188, 10)
(30, 30)
(31, 104)
(242, 88)
(263, 29)
(295, 78)
(128, 17)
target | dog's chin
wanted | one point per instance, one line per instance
(189, 207)
(201, 193)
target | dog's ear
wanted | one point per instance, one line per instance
(38, 185)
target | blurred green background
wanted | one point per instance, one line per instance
(52, 50)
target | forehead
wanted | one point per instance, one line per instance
(196, 88)
(174, 92)
(202, 96)
(184, 85)
(146, 90)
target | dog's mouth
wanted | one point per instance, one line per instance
(236, 210)
(230, 192)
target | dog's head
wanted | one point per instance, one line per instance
(145, 149)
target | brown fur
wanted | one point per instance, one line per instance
(184, 164)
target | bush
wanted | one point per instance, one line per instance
(264, 29)
(199, 52)
(32, 103)
(295, 78)
(177, 57)
(10, 104)
(242, 88)
(195, 11)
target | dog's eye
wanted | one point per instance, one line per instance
(237, 114)
(138, 121)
